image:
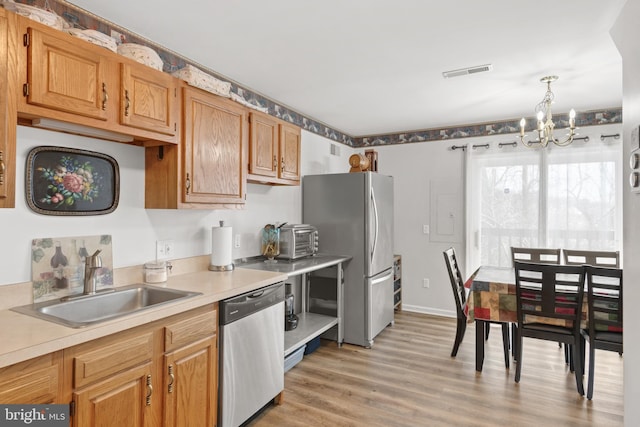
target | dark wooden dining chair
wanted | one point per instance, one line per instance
(537, 255)
(545, 294)
(460, 296)
(604, 325)
(596, 258)
(540, 256)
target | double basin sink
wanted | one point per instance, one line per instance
(77, 312)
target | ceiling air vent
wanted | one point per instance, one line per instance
(466, 71)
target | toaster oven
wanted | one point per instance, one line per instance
(298, 241)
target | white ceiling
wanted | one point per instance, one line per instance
(369, 67)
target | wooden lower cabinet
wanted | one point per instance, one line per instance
(137, 378)
(124, 400)
(35, 381)
(191, 389)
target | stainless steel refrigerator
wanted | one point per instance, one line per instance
(354, 216)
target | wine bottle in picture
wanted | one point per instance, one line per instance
(58, 262)
(73, 271)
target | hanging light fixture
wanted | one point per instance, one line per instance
(546, 126)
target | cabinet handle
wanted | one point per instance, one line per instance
(105, 96)
(282, 164)
(172, 379)
(275, 162)
(2, 168)
(149, 390)
(127, 103)
(188, 183)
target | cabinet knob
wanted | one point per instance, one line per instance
(149, 390)
(105, 96)
(127, 103)
(172, 379)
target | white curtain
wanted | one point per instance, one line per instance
(560, 197)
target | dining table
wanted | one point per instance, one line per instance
(492, 298)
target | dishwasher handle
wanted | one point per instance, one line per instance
(241, 306)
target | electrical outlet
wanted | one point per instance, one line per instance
(169, 250)
(236, 241)
(164, 249)
(425, 283)
(425, 229)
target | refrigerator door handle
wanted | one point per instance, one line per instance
(382, 279)
(375, 218)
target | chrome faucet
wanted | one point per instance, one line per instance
(92, 263)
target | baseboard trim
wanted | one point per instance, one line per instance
(428, 310)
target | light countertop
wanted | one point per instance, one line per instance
(24, 337)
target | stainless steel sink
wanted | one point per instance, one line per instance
(91, 309)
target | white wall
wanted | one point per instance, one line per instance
(135, 229)
(626, 34)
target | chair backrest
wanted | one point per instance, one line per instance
(455, 276)
(554, 292)
(595, 258)
(537, 255)
(604, 296)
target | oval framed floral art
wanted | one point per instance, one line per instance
(70, 181)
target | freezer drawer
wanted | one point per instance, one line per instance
(380, 304)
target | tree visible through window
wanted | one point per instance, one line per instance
(568, 197)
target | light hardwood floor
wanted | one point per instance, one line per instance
(409, 379)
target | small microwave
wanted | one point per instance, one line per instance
(298, 241)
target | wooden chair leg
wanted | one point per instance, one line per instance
(592, 357)
(514, 328)
(505, 343)
(460, 329)
(568, 349)
(518, 348)
(575, 354)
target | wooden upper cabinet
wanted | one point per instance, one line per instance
(67, 79)
(65, 76)
(214, 147)
(263, 145)
(274, 151)
(148, 100)
(8, 114)
(289, 152)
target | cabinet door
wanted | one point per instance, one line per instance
(289, 152)
(191, 385)
(124, 400)
(148, 99)
(214, 144)
(263, 145)
(66, 76)
(8, 117)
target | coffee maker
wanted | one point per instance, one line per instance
(290, 319)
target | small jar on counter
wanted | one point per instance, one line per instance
(156, 271)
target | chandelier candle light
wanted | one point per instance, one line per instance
(545, 128)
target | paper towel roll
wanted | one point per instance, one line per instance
(221, 247)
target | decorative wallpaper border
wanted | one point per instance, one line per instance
(172, 61)
(589, 118)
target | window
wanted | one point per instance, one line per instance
(561, 197)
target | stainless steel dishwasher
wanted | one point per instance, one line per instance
(252, 353)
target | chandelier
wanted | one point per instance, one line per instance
(545, 125)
